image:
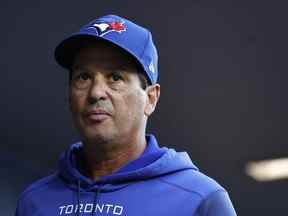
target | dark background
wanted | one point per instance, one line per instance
(223, 74)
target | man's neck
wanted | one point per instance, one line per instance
(105, 161)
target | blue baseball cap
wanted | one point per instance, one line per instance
(132, 38)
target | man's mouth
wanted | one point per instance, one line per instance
(96, 115)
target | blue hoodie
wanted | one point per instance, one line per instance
(162, 182)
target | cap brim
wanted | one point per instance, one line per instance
(66, 50)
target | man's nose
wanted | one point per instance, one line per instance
(98, 90)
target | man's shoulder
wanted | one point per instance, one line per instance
(193, 181)
(41, 184)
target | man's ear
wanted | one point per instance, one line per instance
(153, 94)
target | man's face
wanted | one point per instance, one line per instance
(106, 98)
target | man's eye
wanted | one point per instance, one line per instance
(83, 76)
(116, 76)
(82, 80)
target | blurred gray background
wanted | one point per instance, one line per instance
(223, 73)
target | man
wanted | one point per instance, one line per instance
(118, 169)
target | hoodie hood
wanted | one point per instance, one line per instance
(168, 162)
(159, 182)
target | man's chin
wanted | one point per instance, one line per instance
(96, 136)
(101, 132)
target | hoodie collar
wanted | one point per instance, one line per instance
(154, 161)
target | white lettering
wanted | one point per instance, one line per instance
(98, 207)
(61, 209)
(81, 207)
(120, 209)
(109, 205)
(76, 208)
(90, 207)
(69, 209)
(87, 209)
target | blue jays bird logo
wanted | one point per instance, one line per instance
(104, 28)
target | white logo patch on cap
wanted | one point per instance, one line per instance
(151, 67)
